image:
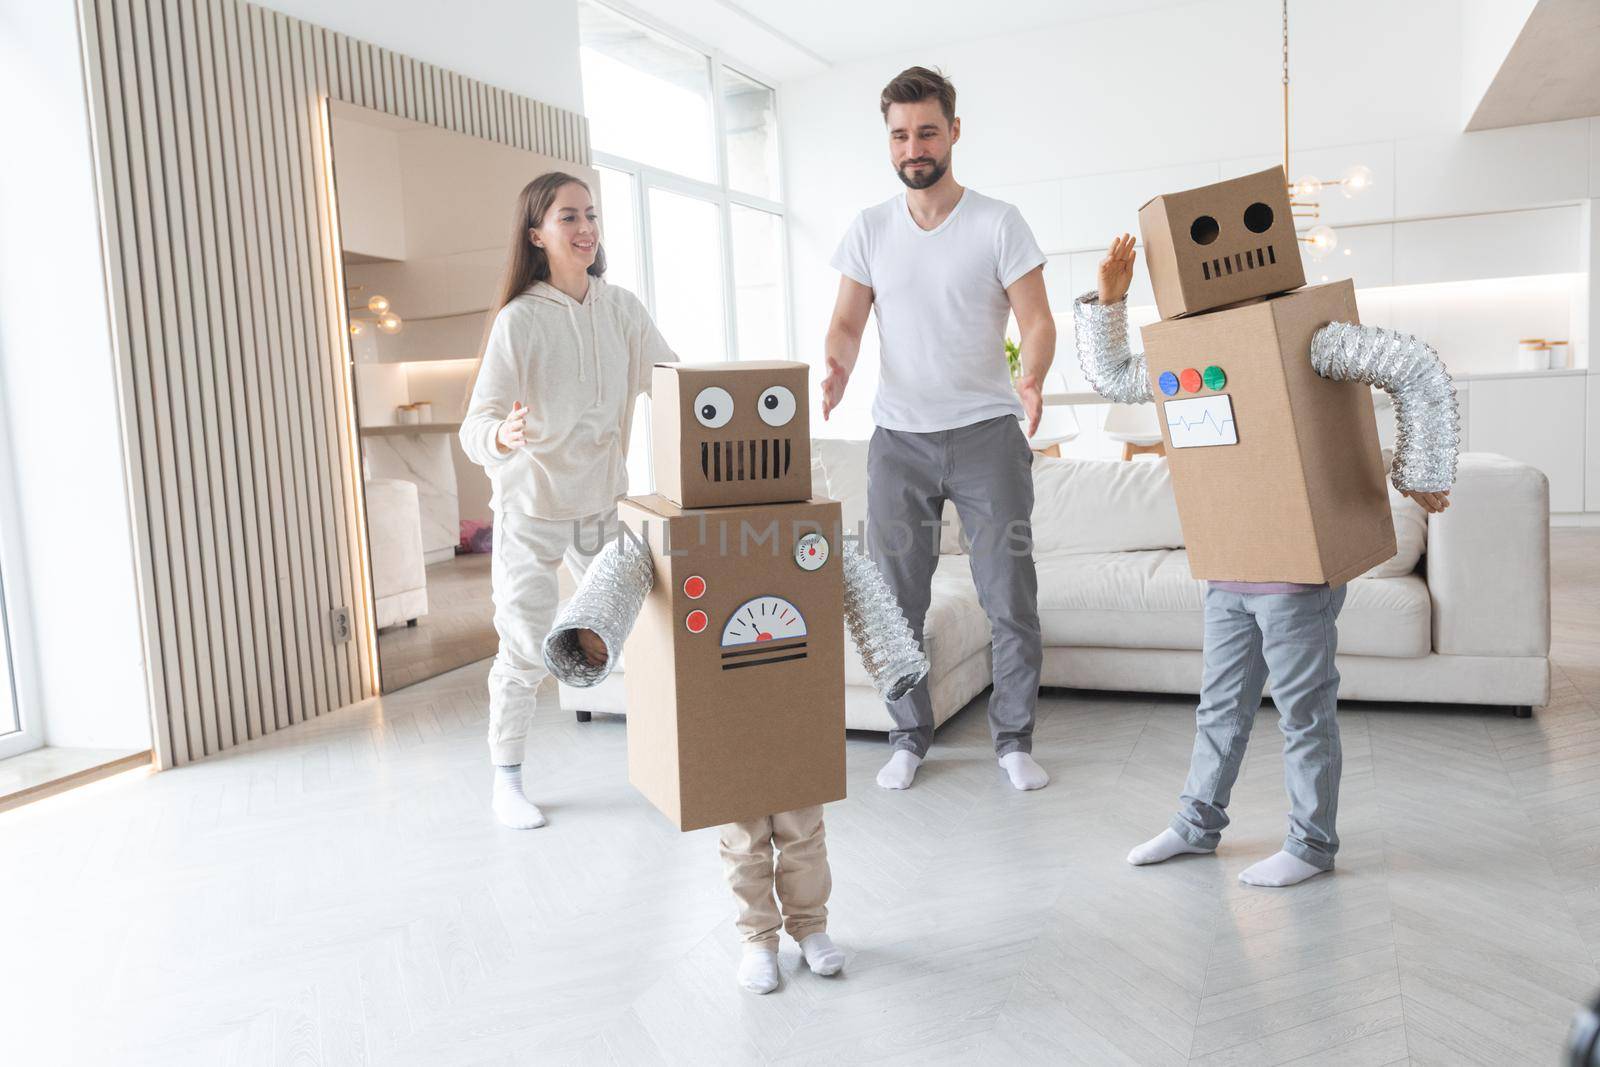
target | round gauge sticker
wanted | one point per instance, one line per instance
(762, 619)
(811, 551)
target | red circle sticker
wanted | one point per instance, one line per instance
(696, 621)
(694, 587)
(1190, 380)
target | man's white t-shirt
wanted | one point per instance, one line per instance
(940, 300)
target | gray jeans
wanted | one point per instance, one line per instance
(1293, 637)
(986, 471)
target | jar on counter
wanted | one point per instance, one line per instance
(1532, 354)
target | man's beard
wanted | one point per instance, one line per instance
(931, 177)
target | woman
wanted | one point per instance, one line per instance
(549, 419)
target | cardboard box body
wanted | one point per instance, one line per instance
(1300, 496)
(1217, 245)
(745, 717)
(716, 434)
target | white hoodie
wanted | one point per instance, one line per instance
(578, 368)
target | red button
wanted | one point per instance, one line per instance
(696, 621)
(694, 587)
(1190, 380)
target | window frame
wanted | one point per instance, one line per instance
(719, 193)
(29, 733)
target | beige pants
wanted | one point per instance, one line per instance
(801, 877)
(528, 554)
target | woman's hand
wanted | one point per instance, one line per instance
(594, 649)
(1432, 503)
(1116, 270)
(512, 433)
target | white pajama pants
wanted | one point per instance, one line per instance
(527, 555)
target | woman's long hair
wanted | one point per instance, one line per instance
(526, 264)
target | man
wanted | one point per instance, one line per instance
(944, 266)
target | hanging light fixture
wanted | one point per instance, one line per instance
(1304, 191)
(377, 312)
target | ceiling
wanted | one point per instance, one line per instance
(785, 40)
(1552, 71)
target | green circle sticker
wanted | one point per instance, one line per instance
(1215, 379)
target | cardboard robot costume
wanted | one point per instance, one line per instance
(726, 596)
(1262, 393)
(1260, 387)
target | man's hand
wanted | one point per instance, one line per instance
(512, 433)
(1116, 270)
(594, 649)
(833, 386)
(1032, 401)
(1432, 503)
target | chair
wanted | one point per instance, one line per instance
(1136, 427)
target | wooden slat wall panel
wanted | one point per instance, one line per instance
(227, 303)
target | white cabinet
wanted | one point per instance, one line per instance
(1592, 465)
(1538, 419)
(1506, 244)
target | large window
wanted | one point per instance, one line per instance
(691, 213)
(10, 721)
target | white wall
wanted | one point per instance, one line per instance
(69, 570)
(1078, 124)
(370, 189)
(526, 46)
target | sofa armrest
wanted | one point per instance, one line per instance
(1488, 561)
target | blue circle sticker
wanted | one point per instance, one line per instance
(1168, 382)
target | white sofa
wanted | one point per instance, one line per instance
(1461, 615)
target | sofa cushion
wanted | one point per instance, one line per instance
(1410, 537)
(1149, 600)
(1103, 505)
(955, 627)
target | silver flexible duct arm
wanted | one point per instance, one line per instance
(1427, 430)
(1114, 370)
(888, 650)
(608, 602)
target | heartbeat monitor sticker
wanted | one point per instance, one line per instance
(1201, 421)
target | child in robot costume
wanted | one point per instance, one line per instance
(754, 721)
(1282, 628)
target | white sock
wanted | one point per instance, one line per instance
(822, 955)
(758, 970)
(1025, 774)
(1278, 869)
(511, 806)
(900, 770)
(1163, 846)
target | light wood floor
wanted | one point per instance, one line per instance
(338, 894)
(458, 628)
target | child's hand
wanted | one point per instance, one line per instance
(511, 435)
(594, 649)
(1116, 270)
(1432, 503)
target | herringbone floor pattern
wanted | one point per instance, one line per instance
(338, 894)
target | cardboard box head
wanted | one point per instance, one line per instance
(731, 433)
(1221, 244)
(735, 676)
(1277, 471)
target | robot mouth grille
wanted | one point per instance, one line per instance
(751, 459)
(1238, 263)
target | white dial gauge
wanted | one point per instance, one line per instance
(811, 551)
(762, 619)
